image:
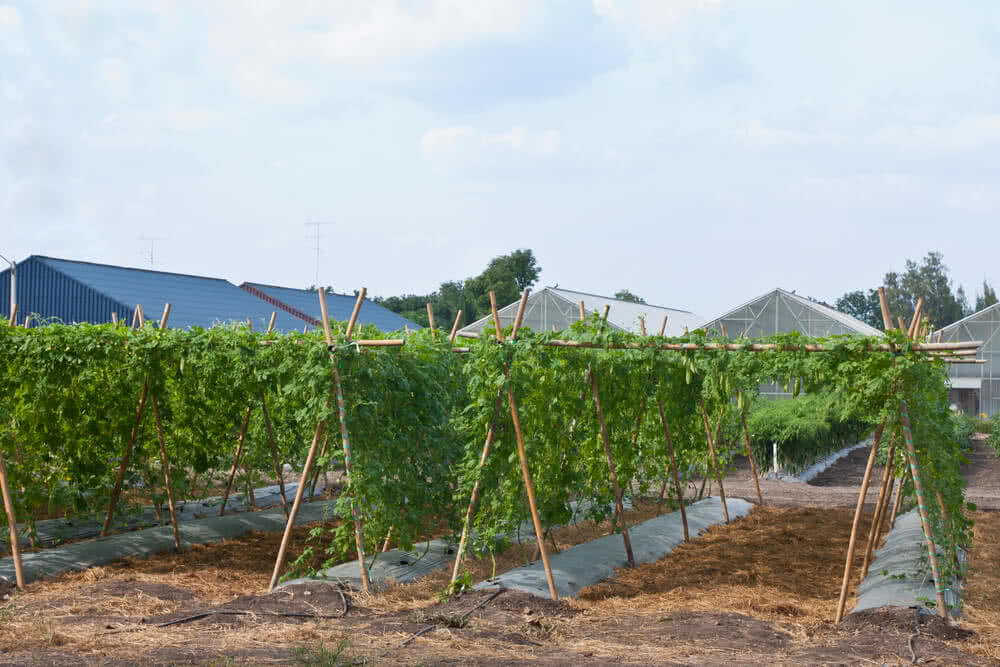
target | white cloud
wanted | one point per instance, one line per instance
(193, 119)
(971, 199)
(517, 139)
(114, 76)
(10, 18)
(651, 16)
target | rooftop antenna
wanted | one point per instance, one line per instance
(318, 228)
(152, 245)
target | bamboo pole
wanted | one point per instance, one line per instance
(722, 327)
(290, 524)
(900, 488)
(879, 503)
(250, 324)
(715, 462)
(673, 466)
(316, 473)
(904, 417)
(583, 313)
(611, 468)
(753, 464)
(884, 303)
(857, 521)
(166, 474)
(663, 327)
(902, 323)
(529, 487)
(114, 318)
(8, 506)
(274, 451)
(344, 436)
(270, 325)
(236, 461)
(642, 326)
(354, 313)
(116, 492)
(915, 322)
(12, 321)
(430, 318)
(467, 525)
(454, 327)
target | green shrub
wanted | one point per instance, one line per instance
(805, 429)
(994, 439)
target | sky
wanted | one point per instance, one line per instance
(695, 152)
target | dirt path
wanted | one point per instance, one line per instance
(982, 474)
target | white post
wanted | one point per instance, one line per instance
(774, 450)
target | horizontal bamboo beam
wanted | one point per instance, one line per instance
(763, 347)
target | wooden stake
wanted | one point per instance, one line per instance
(344, 436)
(884, 303)
(496, 317)
(114, 319)
(430, 318)
(388, 536)
(270, 325)
(715, 462)
(902, 324)
(673, 467)
(529, 487)
(722, 327)
(454, 327)
(166, 474)
(520, 314)
(116, 492)
(475, 493)
(663, 327)
(642, 326)
(8, 506)
(915, 322)
(583, 313)
(236, 461)
(900, 488)
(871, 544)
(753, 464)
(250, 324)
(354, 314)
(611, 467)
(904, 417)
(290, 524)
(274, 451)
(857, 521)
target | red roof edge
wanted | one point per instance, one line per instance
(264, 296)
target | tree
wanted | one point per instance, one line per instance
(625, 295)
(507, 275)
(987, 298)
(863, 305)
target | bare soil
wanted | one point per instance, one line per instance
(761, 590)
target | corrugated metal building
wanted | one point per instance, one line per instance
(555, 309)
(304, 304)
(70, 291)
(975, 388)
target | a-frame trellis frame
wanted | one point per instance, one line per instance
(337, 393)
(137, 321)
(910, 456)
(956, 353)
(271, 440)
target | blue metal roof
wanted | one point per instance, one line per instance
(73, 291)
(339, 307)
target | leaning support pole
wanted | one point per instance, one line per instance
(8, 506)
(904, 417)
(900, 488)
(753, 464)
(126, 455)
(236, 461)
(529, 487)
(467, 526)
(673, 466)
(715, 462)
(166, 475)
(879, 504)
(290, 524)
(611, 467)
(274, 450)
(857, 521)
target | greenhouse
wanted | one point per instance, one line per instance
(780, 311)
(975, 388)
(555, 309)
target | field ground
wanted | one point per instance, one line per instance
(762, 590)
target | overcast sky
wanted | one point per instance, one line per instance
(696, 152)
